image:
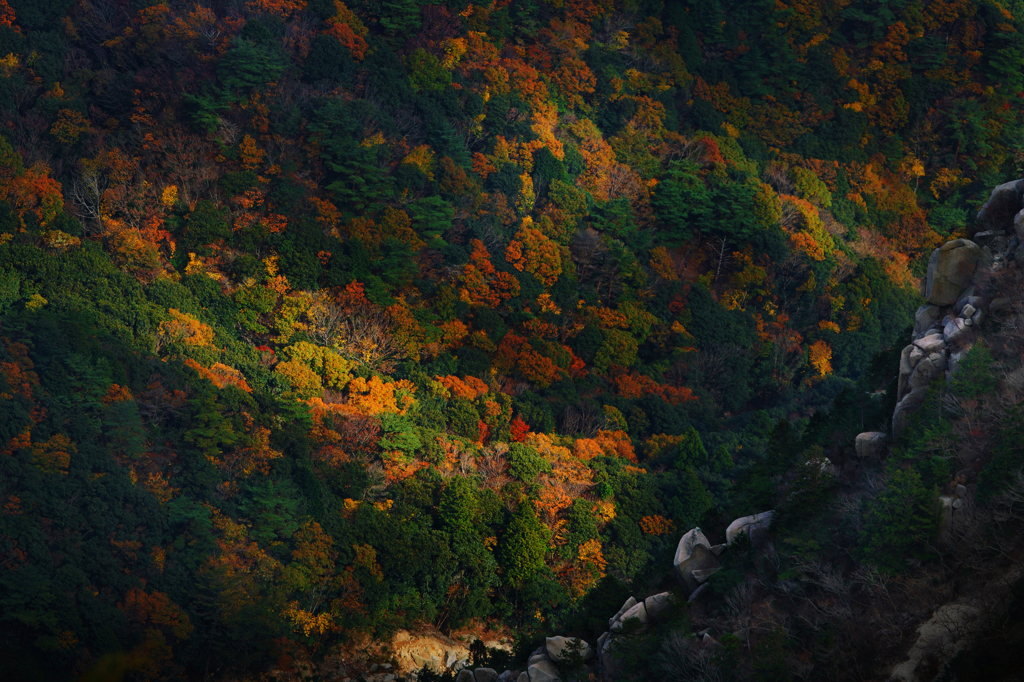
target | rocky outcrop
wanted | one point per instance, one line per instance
(543, 671)
(956, 306)
(1003, 204)
(871, 444)
(643, 613)
(478, 675)
(561, 648)
(753, 526)
(435, 652)
(636, 612)
(657, 604)
(695, 561)
(950, 271)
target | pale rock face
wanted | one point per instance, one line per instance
(693, 553)
(543, 671)
(905, 366)
(691, 571)
(954, 361)
(686, 544)
(926, 316)
(430, 651)
(657, 604)
(610, 664)
(559, 647)
(870, 444)
(954, 329)
(950, 270)
(707, 641)
(928, 370)
(638, 612)
(931, 343)
(901, 415)
(747, 524)
(496, 644)
(968, 295)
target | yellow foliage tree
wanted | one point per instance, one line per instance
(819, 354)
(184, 328)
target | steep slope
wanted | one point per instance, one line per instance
(324, 321)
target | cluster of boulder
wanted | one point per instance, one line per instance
(640, 613)
(478, 675)
(941, 325)
(540, 667)
(955, 304)
(696, 560)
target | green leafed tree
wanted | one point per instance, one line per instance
(523, 547)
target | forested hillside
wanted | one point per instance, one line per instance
(319, 320)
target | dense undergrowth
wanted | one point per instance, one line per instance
(321, 320)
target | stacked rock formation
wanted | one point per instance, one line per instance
(642, 613)
(755, 527)
(696, 560)
(951, 309)
(955, 304)
(478, 675)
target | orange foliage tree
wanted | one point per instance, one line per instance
(482, 284)
(531, 251)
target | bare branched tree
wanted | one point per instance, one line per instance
(682, 659)
(368, 337)
(327, 320)
(190, 164)
(710, 368)
(86, 194)
(582, 419)
(776, 176)
(721, 254)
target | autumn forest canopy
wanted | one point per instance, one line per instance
(322, 319)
